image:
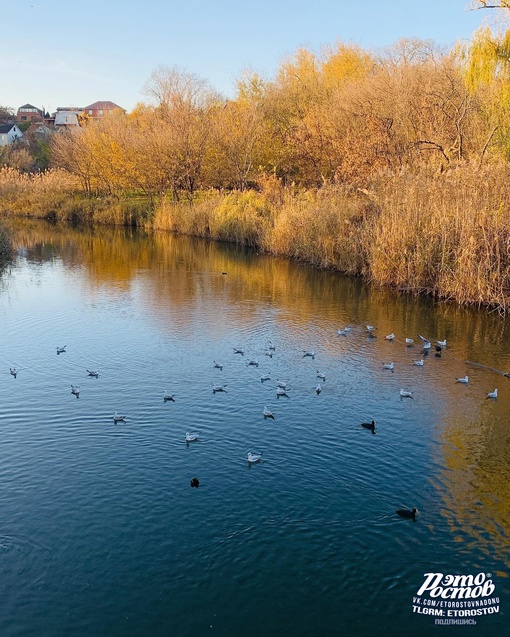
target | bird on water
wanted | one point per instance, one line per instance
(406, 513)
(369, 425)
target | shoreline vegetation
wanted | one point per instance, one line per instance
(394, 167)
(447, 236)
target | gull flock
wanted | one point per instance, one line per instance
(283, 389)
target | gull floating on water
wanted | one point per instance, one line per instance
(409, 341)
(253, 457)
(255, 363)
(311, 354)
(118, 417)
(343, 332)
(217, 388)
(271, 347)
(168, 396)
(14, 371)
(420, 363)
(92, 373)
(390, 337)
(389, 366)
(281, 383)
(370, 328)
(318, 389)
(404, 393)
(238, 350)
(194, 482)
(192, 437)
(61, 350)
(75, 390)
(281, 392)
(268, 414)
(464, 380)
(218, 365)
(493, 394)
(442, 343)
(269, 353)
(321, 375)
(264, 378)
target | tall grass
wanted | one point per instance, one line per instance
(444, 234)
(57, 195)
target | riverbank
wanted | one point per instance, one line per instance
(446, 234)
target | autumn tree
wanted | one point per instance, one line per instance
(183, 106)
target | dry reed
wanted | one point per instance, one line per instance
(447, 234)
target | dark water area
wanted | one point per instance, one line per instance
(100, 531)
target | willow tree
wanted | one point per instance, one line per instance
(486, 65)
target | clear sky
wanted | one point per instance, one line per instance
(75, 53)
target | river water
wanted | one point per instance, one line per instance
(100, 531)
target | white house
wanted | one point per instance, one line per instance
(66, 118)
(9, 133)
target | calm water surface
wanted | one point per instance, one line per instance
(100, 532)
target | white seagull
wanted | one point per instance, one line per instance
(311, 354)
(238, 350)
(425, 341)
(253, 457)
(93, 373)
(420, 363)
(264, 378)
(267, 414)
(168, 396)
(442, 343)
(75, 390)
(255, 363)
(370, 328)
(406, 394)
(409, 341)
(389, 366)
(217, 388)
(493, 394)
(118, 417)
(14, 371)
(464, 380)
(342, 332)
(390, 337)
(192, 437)
(218, 365)
(318, 389)
(281, 383)
(321, 375)
(281, 392)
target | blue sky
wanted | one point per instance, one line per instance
(74, 53)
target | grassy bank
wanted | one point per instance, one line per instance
(446, 235)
